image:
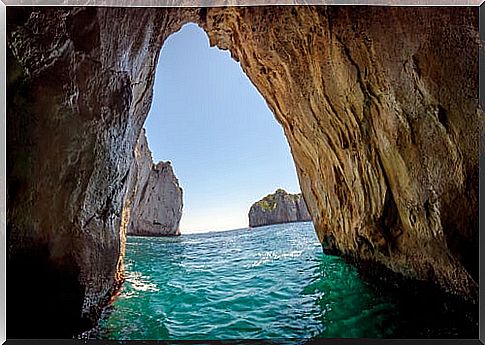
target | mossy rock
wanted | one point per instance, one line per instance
(269, 203)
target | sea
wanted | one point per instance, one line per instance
(271, 282)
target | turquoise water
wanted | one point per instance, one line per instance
(268, 282)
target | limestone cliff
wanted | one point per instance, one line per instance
(157, 197)
(383, 122)
(379, 106)
(279, 207)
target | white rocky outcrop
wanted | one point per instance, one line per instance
(157, 201)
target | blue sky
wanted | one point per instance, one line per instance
(225, 145)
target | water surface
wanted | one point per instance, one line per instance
(267, 282)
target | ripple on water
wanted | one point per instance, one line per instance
(269, 282)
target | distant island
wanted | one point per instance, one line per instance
(279, 207)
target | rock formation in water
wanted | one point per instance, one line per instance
(279, 207)
(157, 203)
(379, 105)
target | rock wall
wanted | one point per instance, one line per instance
(279, 207)
(383, 122)
(379, 105)
(157, 204)
(79, 88)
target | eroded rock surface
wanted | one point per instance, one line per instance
(379, 105)
(80, 86)
(383, 122)
(279, 207)
(157, 205)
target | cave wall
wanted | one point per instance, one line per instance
(379, 106)
(79, 86)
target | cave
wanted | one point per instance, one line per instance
(382, 119)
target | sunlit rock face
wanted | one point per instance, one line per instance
(157, 204)
(379, 106)
(279, 207)
(383, 122)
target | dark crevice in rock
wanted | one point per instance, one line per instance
(18, 15)
(390, 225)
(329, 245)
(46, 290)
(464, 245)
(365, 246)
(415, 60)
(442, 116)
(84, 29)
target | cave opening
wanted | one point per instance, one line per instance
(211, 123)
(70, 135)
(209, 126)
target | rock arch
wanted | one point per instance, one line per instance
(379, 105)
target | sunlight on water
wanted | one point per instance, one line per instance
(268, 282)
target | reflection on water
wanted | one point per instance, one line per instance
(269, 282)
(348, 306)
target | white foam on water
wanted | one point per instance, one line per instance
(140, 282)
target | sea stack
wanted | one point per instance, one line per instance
(279, 207)
(157, 197)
